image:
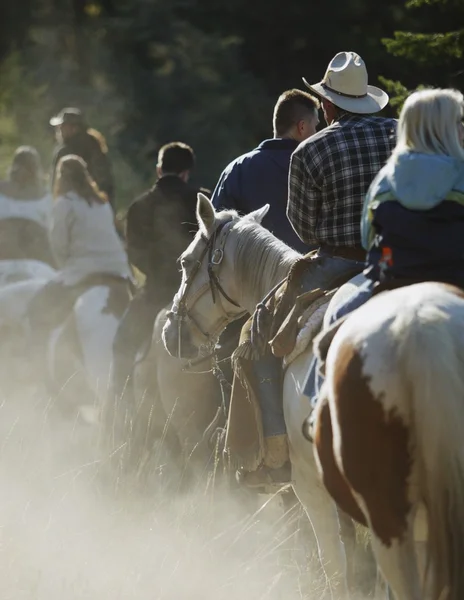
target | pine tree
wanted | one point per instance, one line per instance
(435, 49)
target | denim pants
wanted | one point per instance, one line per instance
(314, 378)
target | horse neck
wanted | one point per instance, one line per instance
(261, 262)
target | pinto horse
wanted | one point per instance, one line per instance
(79, 350)
(389, 432)
(228, 269)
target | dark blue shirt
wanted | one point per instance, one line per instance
(257, 178)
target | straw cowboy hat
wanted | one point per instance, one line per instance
(345, 85)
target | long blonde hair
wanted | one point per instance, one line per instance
(429, 122)
(73, 176)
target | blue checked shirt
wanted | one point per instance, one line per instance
(330, 174)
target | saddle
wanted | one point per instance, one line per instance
(311, 282)
(323, 341)
(256, 410)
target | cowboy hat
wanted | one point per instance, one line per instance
(345, 85)
(70, 115)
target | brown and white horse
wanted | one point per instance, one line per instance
(390, 428)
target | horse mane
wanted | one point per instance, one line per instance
(261, 259)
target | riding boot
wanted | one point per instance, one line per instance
(275, 469)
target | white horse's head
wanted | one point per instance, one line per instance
(226, 270)
(208, 298)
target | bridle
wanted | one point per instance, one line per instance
(180, 312)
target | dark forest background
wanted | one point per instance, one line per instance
(206, 72)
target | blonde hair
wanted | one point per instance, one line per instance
(97, 135)
(73, 176)
(429, 121)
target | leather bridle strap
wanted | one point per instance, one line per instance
(215, 257)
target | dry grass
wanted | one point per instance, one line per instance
(70, 530)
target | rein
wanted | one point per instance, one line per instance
(180, 312)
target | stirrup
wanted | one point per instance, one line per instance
(265, 479)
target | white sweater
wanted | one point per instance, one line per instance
(33, 210)
(84, 240)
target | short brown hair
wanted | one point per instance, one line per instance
(291, 107)
(176, 157)
(73, 176)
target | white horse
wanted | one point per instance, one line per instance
(80, 348)
(230, 266)
(12, 271)
(390, 429)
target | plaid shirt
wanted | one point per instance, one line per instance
(330, 174)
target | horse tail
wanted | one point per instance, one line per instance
(432, 359)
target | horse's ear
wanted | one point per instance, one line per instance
(259, 214)
(206, 215)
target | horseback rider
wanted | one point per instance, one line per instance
(25, 210)
(330, 173)
(75, 137)
(84, 242)
(161, 223)
(263, 172)
(413, 215)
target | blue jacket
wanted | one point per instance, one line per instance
(257, 178)
(413, 219)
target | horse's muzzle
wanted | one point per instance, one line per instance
(183, 348)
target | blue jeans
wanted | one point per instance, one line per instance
(314, 378)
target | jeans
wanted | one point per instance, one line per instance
(314, 378)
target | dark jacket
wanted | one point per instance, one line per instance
(89, 149)
(413, 222)
(160, 225)
(257, 178)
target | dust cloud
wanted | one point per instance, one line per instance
(70, 530)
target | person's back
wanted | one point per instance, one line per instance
(345, 157)
(261, 176)
(25, 209)
(37, 210)
(84, 239)
(75, 138)
(412, 242)
(331, 172)
(413, 217)
(175, 225)
(162, 222)
(160, 225)
(84, 243)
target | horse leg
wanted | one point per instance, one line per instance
(398, 564)
(372, 450)
(323, 518)
(361, 568)
(382, 587)
(348, 539)
(301, 541)
(338, 488)
(307, 483)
